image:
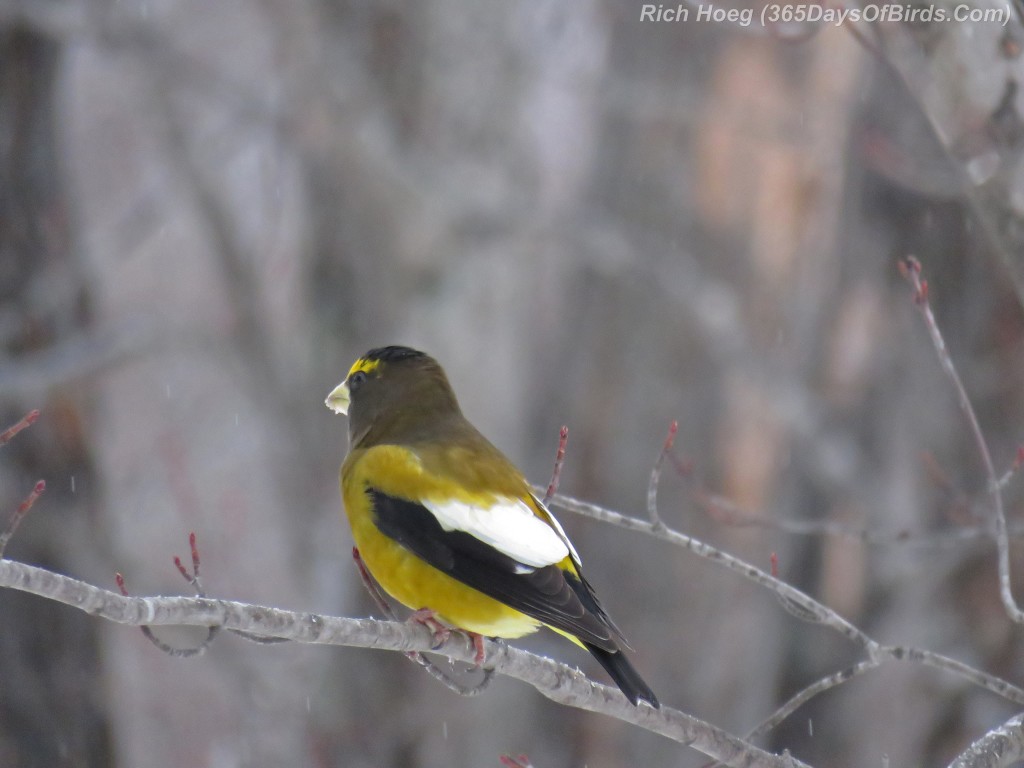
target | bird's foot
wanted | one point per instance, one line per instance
(441, 633)
(427, 618)
(478, 644)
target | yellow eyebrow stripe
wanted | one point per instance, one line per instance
(364, 365)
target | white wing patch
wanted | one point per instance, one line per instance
(561, 533)
(509, 526)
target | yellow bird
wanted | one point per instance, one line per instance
(449, 527)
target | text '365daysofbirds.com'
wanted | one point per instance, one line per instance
(815, 13)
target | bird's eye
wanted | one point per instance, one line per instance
(356, 380)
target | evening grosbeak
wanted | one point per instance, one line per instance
(446, 523)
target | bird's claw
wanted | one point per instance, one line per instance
(440, 632)
(478, 644)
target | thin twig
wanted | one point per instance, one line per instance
(371, 586)
(653, 481)
(37, 490)
(805, 695)
(19, 514)
(1018, 462)
(727, 512)
(896, 653)
(966, 672)
(520, 761)
(25, 421)
(910, 268)
(191, 578)
(556, 473)
(170, 650)
(196, 584)
(180, 653)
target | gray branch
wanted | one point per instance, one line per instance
(557, 681)
(999, 748)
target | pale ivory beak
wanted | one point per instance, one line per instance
(339, 399)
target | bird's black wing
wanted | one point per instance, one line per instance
(555, 597)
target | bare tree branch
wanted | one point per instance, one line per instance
(810, 608)
(19, 514)
(24, 422)
(558, 682)
(911, 270)
(999, 748)
(809, 693)
(797, 603)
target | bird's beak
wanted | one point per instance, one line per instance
(339, 399)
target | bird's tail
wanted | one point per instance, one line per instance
(625, 675)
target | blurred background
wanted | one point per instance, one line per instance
(210, 208)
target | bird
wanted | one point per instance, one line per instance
(450, 528)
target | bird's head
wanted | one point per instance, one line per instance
(391, 394)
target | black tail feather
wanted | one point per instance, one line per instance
(625, 675)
